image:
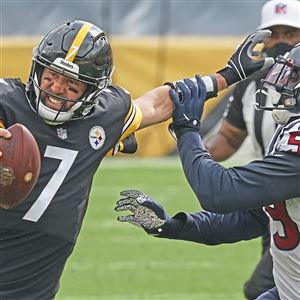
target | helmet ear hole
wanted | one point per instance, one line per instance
(101, 36)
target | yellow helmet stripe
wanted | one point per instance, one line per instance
(78, 41)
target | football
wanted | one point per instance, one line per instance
(19, 165)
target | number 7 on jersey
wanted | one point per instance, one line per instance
(67, 158)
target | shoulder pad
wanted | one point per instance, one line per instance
(286, 138)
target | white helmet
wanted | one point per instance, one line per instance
(282, 84)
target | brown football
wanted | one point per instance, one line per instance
(19, 165)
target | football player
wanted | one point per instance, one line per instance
(77, 116)
(242, 119)
(242, 202)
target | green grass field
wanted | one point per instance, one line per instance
(119, 261)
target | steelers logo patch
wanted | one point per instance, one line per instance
(97, 137)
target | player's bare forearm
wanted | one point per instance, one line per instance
(156, 106)
(221, 82)
(230, 137)
(219, 153)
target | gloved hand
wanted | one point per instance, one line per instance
(188, 97)
(129, 145)
(241, 64)
(146, 213)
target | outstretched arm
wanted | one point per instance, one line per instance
(214, 229)
(156, 105)
(223, 190)
(201, 227)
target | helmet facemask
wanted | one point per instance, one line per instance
(282, 85)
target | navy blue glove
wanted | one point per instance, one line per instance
(146, 213)
(241, 64)
(188, 98)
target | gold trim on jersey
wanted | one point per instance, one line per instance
(78, 41)
(115, 150)
(132, 123)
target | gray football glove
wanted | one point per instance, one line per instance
(146, 213)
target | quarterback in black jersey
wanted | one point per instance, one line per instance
(242, 202)
(77, 117)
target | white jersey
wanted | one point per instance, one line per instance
(241, 113)
(285, 223)
(251, 116)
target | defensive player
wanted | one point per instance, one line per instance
(77, 116)
(242, 119)
(235, 197)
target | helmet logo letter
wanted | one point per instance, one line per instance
(78, 41)
(72, 52)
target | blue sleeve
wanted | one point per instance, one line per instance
(213, 229)
(275, 178)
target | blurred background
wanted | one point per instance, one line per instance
(134, 18)
(153, 42)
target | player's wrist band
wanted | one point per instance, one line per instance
(210, 82)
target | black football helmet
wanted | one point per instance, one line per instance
(78, 50)
(282, 84)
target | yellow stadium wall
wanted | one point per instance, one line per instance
(141, 64)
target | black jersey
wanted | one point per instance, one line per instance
(38, 235)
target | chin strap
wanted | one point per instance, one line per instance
(281, 116)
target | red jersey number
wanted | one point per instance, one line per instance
(291, 237)
(295, 140)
